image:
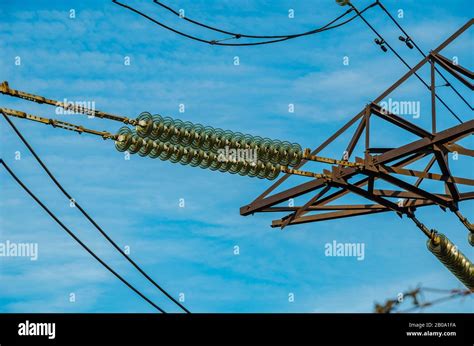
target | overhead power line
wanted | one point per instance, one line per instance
(417, 300)
(239, 35)
(279, 38)
(381, 41)
(71, 233)
(410, 39)
(273, 38)
(88, 217)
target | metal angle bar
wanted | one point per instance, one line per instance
(456, 67)
(404, 194)
(355, 138)
(400, 122)
(328, 216)
(282, 196)
(324, 207)
(427, 168)
(459, 149)
(366, 194)
(412, 158)
(370, 185)
(443, 165)
(340, 193)
(464, 196)
(456, 75)
(427, 175)
(420, 192)
(433, 96)
(337, 215)
(302, 210)
(365, 181)
(442, 137)
(367, 128)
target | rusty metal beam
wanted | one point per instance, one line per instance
(328, 216)
(449, 67)
(388, 162)
(404, 194)
(456, 67)
(361, 192)
(448, 178)
(442, 137)
(348, 213)
(302, 210)
(416, 190)
(459, 149)
(324, 207)
(282, 196)
(355, 137)
(443, 165)
(399, 121)
(433, 96)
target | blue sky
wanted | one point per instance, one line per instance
(190, 250)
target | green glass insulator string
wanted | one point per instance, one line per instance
(177, 132)
(129, 140)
